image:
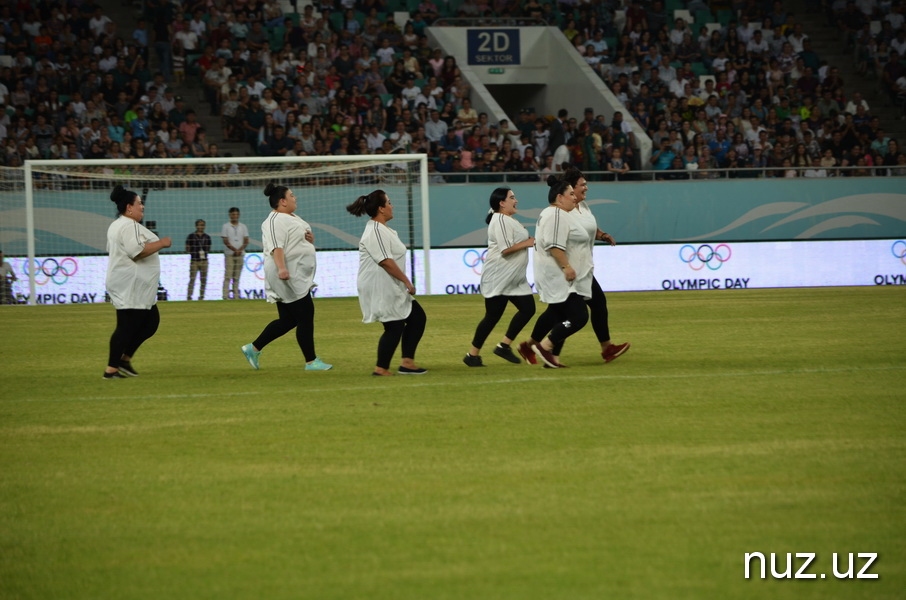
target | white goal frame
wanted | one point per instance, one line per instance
(31, 166)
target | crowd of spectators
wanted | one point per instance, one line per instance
(73, 86)
(344, 78)
(748, 94)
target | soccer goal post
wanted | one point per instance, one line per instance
(67, 211)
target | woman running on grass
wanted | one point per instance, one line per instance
(385, 293)
(503, 278)
(289, 277)
(563, 274)
(133, 273)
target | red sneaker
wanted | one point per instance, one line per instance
(525, 351)
(546, 357)
(614, 351)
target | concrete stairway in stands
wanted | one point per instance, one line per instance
(828, 42)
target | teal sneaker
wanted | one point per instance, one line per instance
(318, 365)
(251, 355)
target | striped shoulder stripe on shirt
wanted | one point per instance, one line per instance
(138, 237)
(556, 243)
(377, 234)
(271, 225)
(503, 230)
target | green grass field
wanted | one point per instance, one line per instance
(740, 421)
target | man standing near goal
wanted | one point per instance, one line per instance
(235, 237)
(198, 245)
(7, 277)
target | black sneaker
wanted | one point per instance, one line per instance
(114, 375)
(127, 370)
(506, 353)
(472, 361)
(415, 371)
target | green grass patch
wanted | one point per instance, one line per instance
(740, 421)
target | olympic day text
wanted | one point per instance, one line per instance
(60, 298)
(729, 283)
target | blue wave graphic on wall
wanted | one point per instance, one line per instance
(836, 214)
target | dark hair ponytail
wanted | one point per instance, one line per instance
(368, 204)
(122, 198)
(557, 186)
(497, 196)
(275, 193)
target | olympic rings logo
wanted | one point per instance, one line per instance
(899, 250)
(705, 256)
(474, 260)
(255, 264)
(51, 269)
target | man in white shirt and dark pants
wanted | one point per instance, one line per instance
(235, 237)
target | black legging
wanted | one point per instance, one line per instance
(409, 330)
(560, 321)
(133, 327)
(299, 314)
(493, 311)
(598, 305)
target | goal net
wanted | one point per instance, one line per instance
(57, 238)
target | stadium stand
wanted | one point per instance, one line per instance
(719, 86)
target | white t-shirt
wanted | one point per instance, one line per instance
(758, 47)
(505, 275)
(198, 27)
(382, 298)
(132, 284)
(584, 219)
(411, 93)
(188, 39)
(287, 231)
(97, 25)
(385, 55)
(540, 141)
(235, 234)
(556, 229)
(561, 155)
(896, 20)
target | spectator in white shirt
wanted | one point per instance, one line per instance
(895, 16)
(855, 102)
(757, 47)
(255, 87)
(197, 25)
(435, 129)
(868, 7)
(706, 92)
(375, 138)
(666, 72)
(681, 88)
(98, 23)
(401, 138)
(899, 43)
(411, 92)
(745, 30)
(677, 33)
(385, 53)
(599, 44)
(797, 38)
(816, 170)
(186, 37)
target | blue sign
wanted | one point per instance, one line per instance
(493, 47)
